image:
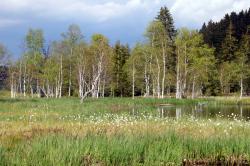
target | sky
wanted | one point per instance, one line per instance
(116, 19)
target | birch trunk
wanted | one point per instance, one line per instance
(20, 78)
(184, 88)
(158, 79)
(193, 88)
(164, 74)
(178, 82)
(133, 92)
(70, 80)
(24, 81)
(146, 78)
(61, 78)
(96, 78)
(241, 88)
(12, 86)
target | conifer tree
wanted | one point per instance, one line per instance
(229, 46)
(166, 19)
(243, 54)
(120, 80)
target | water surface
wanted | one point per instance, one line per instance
(208, 111)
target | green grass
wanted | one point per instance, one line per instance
(104, 132)
(166, 148)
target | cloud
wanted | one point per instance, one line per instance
(194, 12)
(191, 13)
(99, 11)
(4, 23)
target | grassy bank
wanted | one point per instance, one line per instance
(107, 132)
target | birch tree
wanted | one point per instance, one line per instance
(160, 51)
(33, 60)
(71, 38)
(100, 51)
(195, 62)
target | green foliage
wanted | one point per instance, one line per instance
(229, 46)
(165, 60)
(166, 19)
(73, 35)
(120, 81)
(35, 40)
(195, 59)
(4, 55)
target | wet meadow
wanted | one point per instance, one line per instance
(123, 131)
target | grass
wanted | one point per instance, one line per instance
(106, 132)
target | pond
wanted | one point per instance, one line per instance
(207, 111)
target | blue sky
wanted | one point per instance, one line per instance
(116, 19)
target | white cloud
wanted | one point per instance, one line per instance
(9, 22)
(194, 12)
(67, 9)
(191, 13)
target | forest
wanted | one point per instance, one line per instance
(212, 61)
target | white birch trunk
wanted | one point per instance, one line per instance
(193, 88)
(241, 88)
(178, 82)
(24, 81)
(133, 86)
(158, 79)
(164, 74)
(12, 86)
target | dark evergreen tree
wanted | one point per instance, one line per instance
(166, 19)
(120, 78)
(214, 33)
(229, 45)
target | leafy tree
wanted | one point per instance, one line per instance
(195, 62)
(227, 75)
(137, 69)
(161, 51)
(71, 39)
(33, 60)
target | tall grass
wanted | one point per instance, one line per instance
(164, 149)
(103, 132)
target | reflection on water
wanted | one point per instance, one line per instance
(205, 111)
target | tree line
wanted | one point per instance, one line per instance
(180, 63)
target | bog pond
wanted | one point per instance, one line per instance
(197, 111)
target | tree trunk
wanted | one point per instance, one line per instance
(193, 88)
(70, 80)
(24, 81)
(12, 86)
(184, 88)
(96, 79)
(241, 88)
(20, 78)
(178, 82)
(31, 91)
(38, 89)
(158, 79)
(61, 77)
(146, 78)
(164, 70)
(133, 92)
